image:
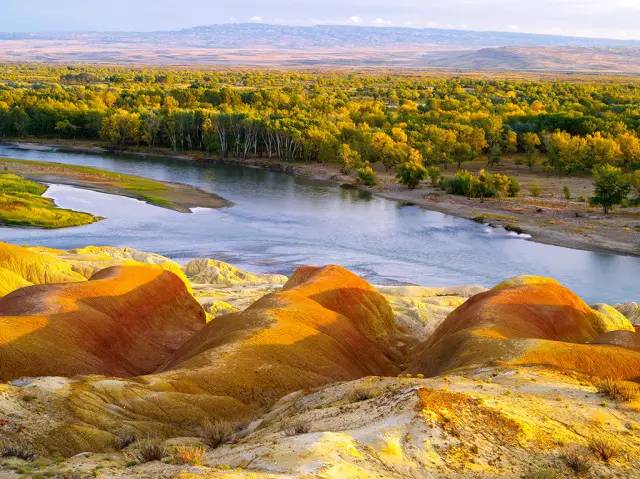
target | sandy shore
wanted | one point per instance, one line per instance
(548, 219)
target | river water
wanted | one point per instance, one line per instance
(279, 222)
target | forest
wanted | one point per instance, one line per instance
(356, 119)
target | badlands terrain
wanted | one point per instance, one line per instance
(116, 363)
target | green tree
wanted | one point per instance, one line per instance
(349, 158)
(434, 175)
(411, 172)
(611, 186)
(367, 175)
(530, 143)
(495, 155)
(462, 152)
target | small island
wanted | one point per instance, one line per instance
(22, 204)
(174, 196)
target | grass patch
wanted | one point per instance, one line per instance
(542, 473)
(603, 448)
(188, 455)
(149, 450)
(295, 427)
(17, 448)
(22, 204)
(218, 432)
(577, 461)
(618, 390)
(124, 439)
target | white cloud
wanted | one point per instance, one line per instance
(382, 21)
(256, 18)
(355, 19)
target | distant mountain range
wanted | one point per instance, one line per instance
(329, 45)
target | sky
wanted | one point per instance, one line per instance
(594, 18)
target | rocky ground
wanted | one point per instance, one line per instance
(501, 409)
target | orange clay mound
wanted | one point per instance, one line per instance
(529, 320)
(125, 321)
(326, 325)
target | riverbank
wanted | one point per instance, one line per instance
(169, 195)
(547, 218)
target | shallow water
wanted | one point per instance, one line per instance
(279, 222)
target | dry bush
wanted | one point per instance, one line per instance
(191, 455)
(124, 439)
(618, 390)
(603, 448)
(577, 461)
(150, 449)
(360, 394)
(17, 448)
(294, 427)
(218, 432)
(543, 473)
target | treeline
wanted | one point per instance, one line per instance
(351, 118)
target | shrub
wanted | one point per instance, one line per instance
(361, 394)
(577, 461)
(514, 187)
(17, 448)
(433, 172)
(603, 448)
(543, 473)
(367, 176)
(566, 192)
(618, 390)
(192, 455)
(411, 173)
(485, 185)
(124, 439)
(349, 158)
(149, 450)
(535, 190)
(295, 426)
(218, 432)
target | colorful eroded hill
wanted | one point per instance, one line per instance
(309, 380)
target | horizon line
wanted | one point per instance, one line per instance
(315, 25)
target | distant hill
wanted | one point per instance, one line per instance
(328, 45)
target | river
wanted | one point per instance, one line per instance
(279, 222)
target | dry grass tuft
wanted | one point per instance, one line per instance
(17, 448)
(604, 449)
(218, 432)
(294, 427)
(191, 455)
(361, 393)
(577, 461)
(149, 450)
(542, 473)
(124, 439)
(618, 390)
